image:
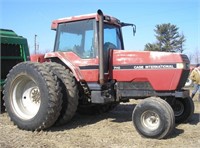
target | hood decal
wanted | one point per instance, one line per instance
(145, 66)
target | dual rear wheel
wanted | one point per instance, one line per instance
(34, 96)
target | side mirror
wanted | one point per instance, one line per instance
(134, 29)
(127, 24)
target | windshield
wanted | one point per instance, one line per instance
(81, 38)
(77, 37)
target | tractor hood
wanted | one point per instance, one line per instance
(148, 60)
(163, 70)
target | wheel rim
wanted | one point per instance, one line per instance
(178, 108)
(150, 120)
(25, 97)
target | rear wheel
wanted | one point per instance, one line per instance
(69, 90)
(32, 96)
(153, 118)
(2, 108)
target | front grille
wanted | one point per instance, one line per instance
(183, 79)
(185, 58)
(185, 72)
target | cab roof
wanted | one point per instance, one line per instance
(107, 18)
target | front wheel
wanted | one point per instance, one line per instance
(153, 118)
(183, 109)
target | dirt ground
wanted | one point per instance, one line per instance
(109, 130)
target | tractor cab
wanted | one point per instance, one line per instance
(86, 41)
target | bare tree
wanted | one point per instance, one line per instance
(190, 56)
(197, 56)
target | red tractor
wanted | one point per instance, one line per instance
(90, 72)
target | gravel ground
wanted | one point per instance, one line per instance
(109, 130)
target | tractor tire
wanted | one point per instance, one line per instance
(153, 118)
(32, 96)
(2, 108)
(69, 90)
(183, 109)
(171, 112)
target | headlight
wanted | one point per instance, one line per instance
(182, 65)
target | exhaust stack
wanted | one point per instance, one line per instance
(100, 48)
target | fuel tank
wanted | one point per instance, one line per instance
(163, 70)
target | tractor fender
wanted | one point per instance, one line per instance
(37, 58)
(65, 62)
